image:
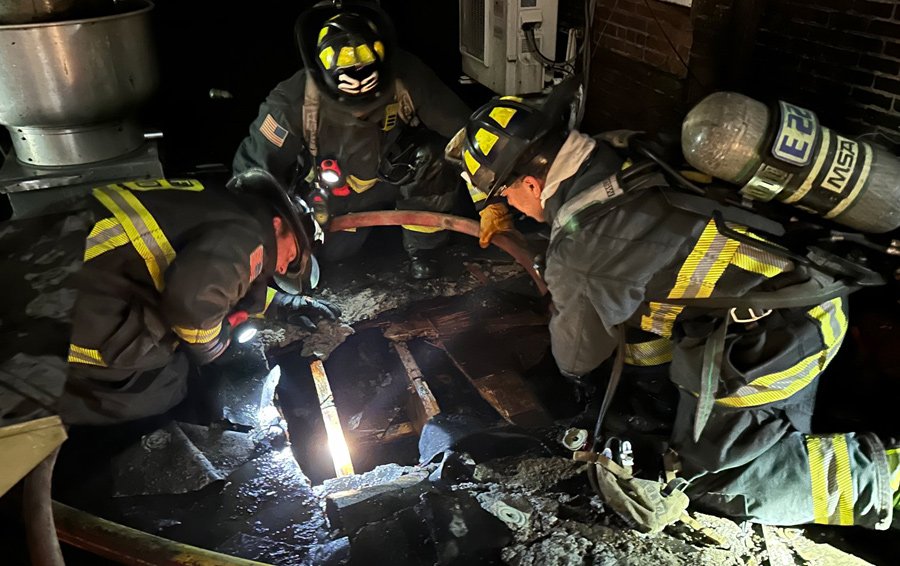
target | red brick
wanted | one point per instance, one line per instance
(872, 98)
(880, 64)
(631, 21)
(887, 85)
(883, 28)
(807, 12)
(654, 58)
(892, 49)
(849, 22)
(864, 43)
(874, 9)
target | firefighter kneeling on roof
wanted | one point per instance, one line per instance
(167, 265)
(621, 262)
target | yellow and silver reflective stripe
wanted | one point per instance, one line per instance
(107, 234)
(191, 185)
(88, 356)
(696, 278)
(360, 185)
(422, 229)
(140, 226)
(831, 479)
(781, 385)
(198, 335)
(652, 353)
(476, 194)
(761, 262)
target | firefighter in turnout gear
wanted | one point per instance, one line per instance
(169, 266)
(373, 113)
(628, 269)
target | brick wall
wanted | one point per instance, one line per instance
(838, 57)
(639, 80)
(635, 80)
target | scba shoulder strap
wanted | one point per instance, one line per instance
(624, 186)
(312, 103)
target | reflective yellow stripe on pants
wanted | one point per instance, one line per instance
(831, 479)
(781, 385)
(652, 353)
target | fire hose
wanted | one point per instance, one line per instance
(438, 220)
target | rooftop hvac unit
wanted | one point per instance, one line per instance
(495, 51)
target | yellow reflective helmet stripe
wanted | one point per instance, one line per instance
(502, 114)
(513, 98)
(346, 57)
(87, 356)
(326, 56)
(472, 164)
(485, 140)
(142, 230)
(322, 33)
(379, 48)
(364, 54)
(107, 234)
(198, 335)
(831, 479)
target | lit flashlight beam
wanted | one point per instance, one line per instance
(340, 454)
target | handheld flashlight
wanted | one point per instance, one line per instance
(330, 176)
(242, 329)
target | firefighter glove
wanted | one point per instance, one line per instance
(206, 352)
(302, 310)
(495, 218)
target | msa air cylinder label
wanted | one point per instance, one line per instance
(839, 175)
(795, 139)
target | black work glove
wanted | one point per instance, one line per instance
(205, 353)
(301, 310)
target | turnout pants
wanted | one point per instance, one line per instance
(756, 458)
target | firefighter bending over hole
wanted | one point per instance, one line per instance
(664, 285)
(168, 268)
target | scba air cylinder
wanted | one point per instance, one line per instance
(785, 154)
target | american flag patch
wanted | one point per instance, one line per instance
(256, 263)
(273, 131)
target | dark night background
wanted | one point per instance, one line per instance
(247, 49)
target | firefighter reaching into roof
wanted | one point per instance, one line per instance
(678, 284)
